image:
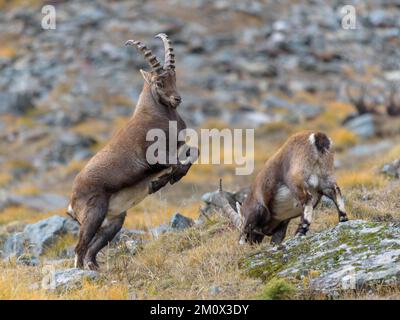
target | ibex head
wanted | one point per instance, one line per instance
(161, 79)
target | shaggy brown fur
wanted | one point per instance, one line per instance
(291, 185)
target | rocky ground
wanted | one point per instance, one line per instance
(278, 67)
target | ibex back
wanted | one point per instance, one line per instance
(290, 185)
(119, 175)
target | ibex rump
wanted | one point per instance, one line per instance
(290, 185)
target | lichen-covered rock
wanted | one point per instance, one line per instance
(71, 278)
(353, 255)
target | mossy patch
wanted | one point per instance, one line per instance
(364, 247)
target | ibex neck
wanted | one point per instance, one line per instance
(147, 103)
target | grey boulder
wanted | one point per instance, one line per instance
(35, 238)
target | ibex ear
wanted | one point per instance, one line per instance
(146, 75)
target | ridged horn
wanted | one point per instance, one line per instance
(148, 55)
(169, 56)
(220, 200)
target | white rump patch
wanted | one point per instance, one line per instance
(311, 138)
(69, 210)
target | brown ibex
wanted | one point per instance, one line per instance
(359, 101)
(290, 185)
(393, 105)
(119, 175)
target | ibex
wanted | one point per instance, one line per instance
(358, 98)
(393, 105)
(290, 185)
(359, 101)
(119, 175)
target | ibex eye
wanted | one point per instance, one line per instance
(159, 85)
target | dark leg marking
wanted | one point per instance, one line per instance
(104, 235)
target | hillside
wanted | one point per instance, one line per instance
(278, 67)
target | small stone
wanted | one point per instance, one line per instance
(159, 230)
(364, 125)
(70, 278)
(214, 290)
(132, 246)
(392, 169)
(180, 222)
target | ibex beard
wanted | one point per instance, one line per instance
(119, 175)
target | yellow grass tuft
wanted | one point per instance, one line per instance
(7, 52)
(5, 179)
(58, 248)
(28, 189)
(22, 214)
(343, 138)
(74, 167)
(154, 211)
(20, 282)
(360, 179)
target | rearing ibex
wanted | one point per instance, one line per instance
(119, 175)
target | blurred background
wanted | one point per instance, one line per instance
(276, 66)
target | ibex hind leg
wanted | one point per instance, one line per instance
(104, 235)
(94, 215)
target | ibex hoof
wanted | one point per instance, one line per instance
(90, 265)
(153, 186)
(343, 219)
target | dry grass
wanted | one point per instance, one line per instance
(22, 214)
(58, 249)
(185, 265)
(23, 283)
(5, 4)
(343, 139)
(5, 179)
(362, 179)
(7, 52)
(154, 211)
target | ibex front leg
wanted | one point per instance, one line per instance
(333, 192)
(306, 218)
(178, 171)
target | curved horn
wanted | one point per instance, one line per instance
(169, 59)
(148, 55)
